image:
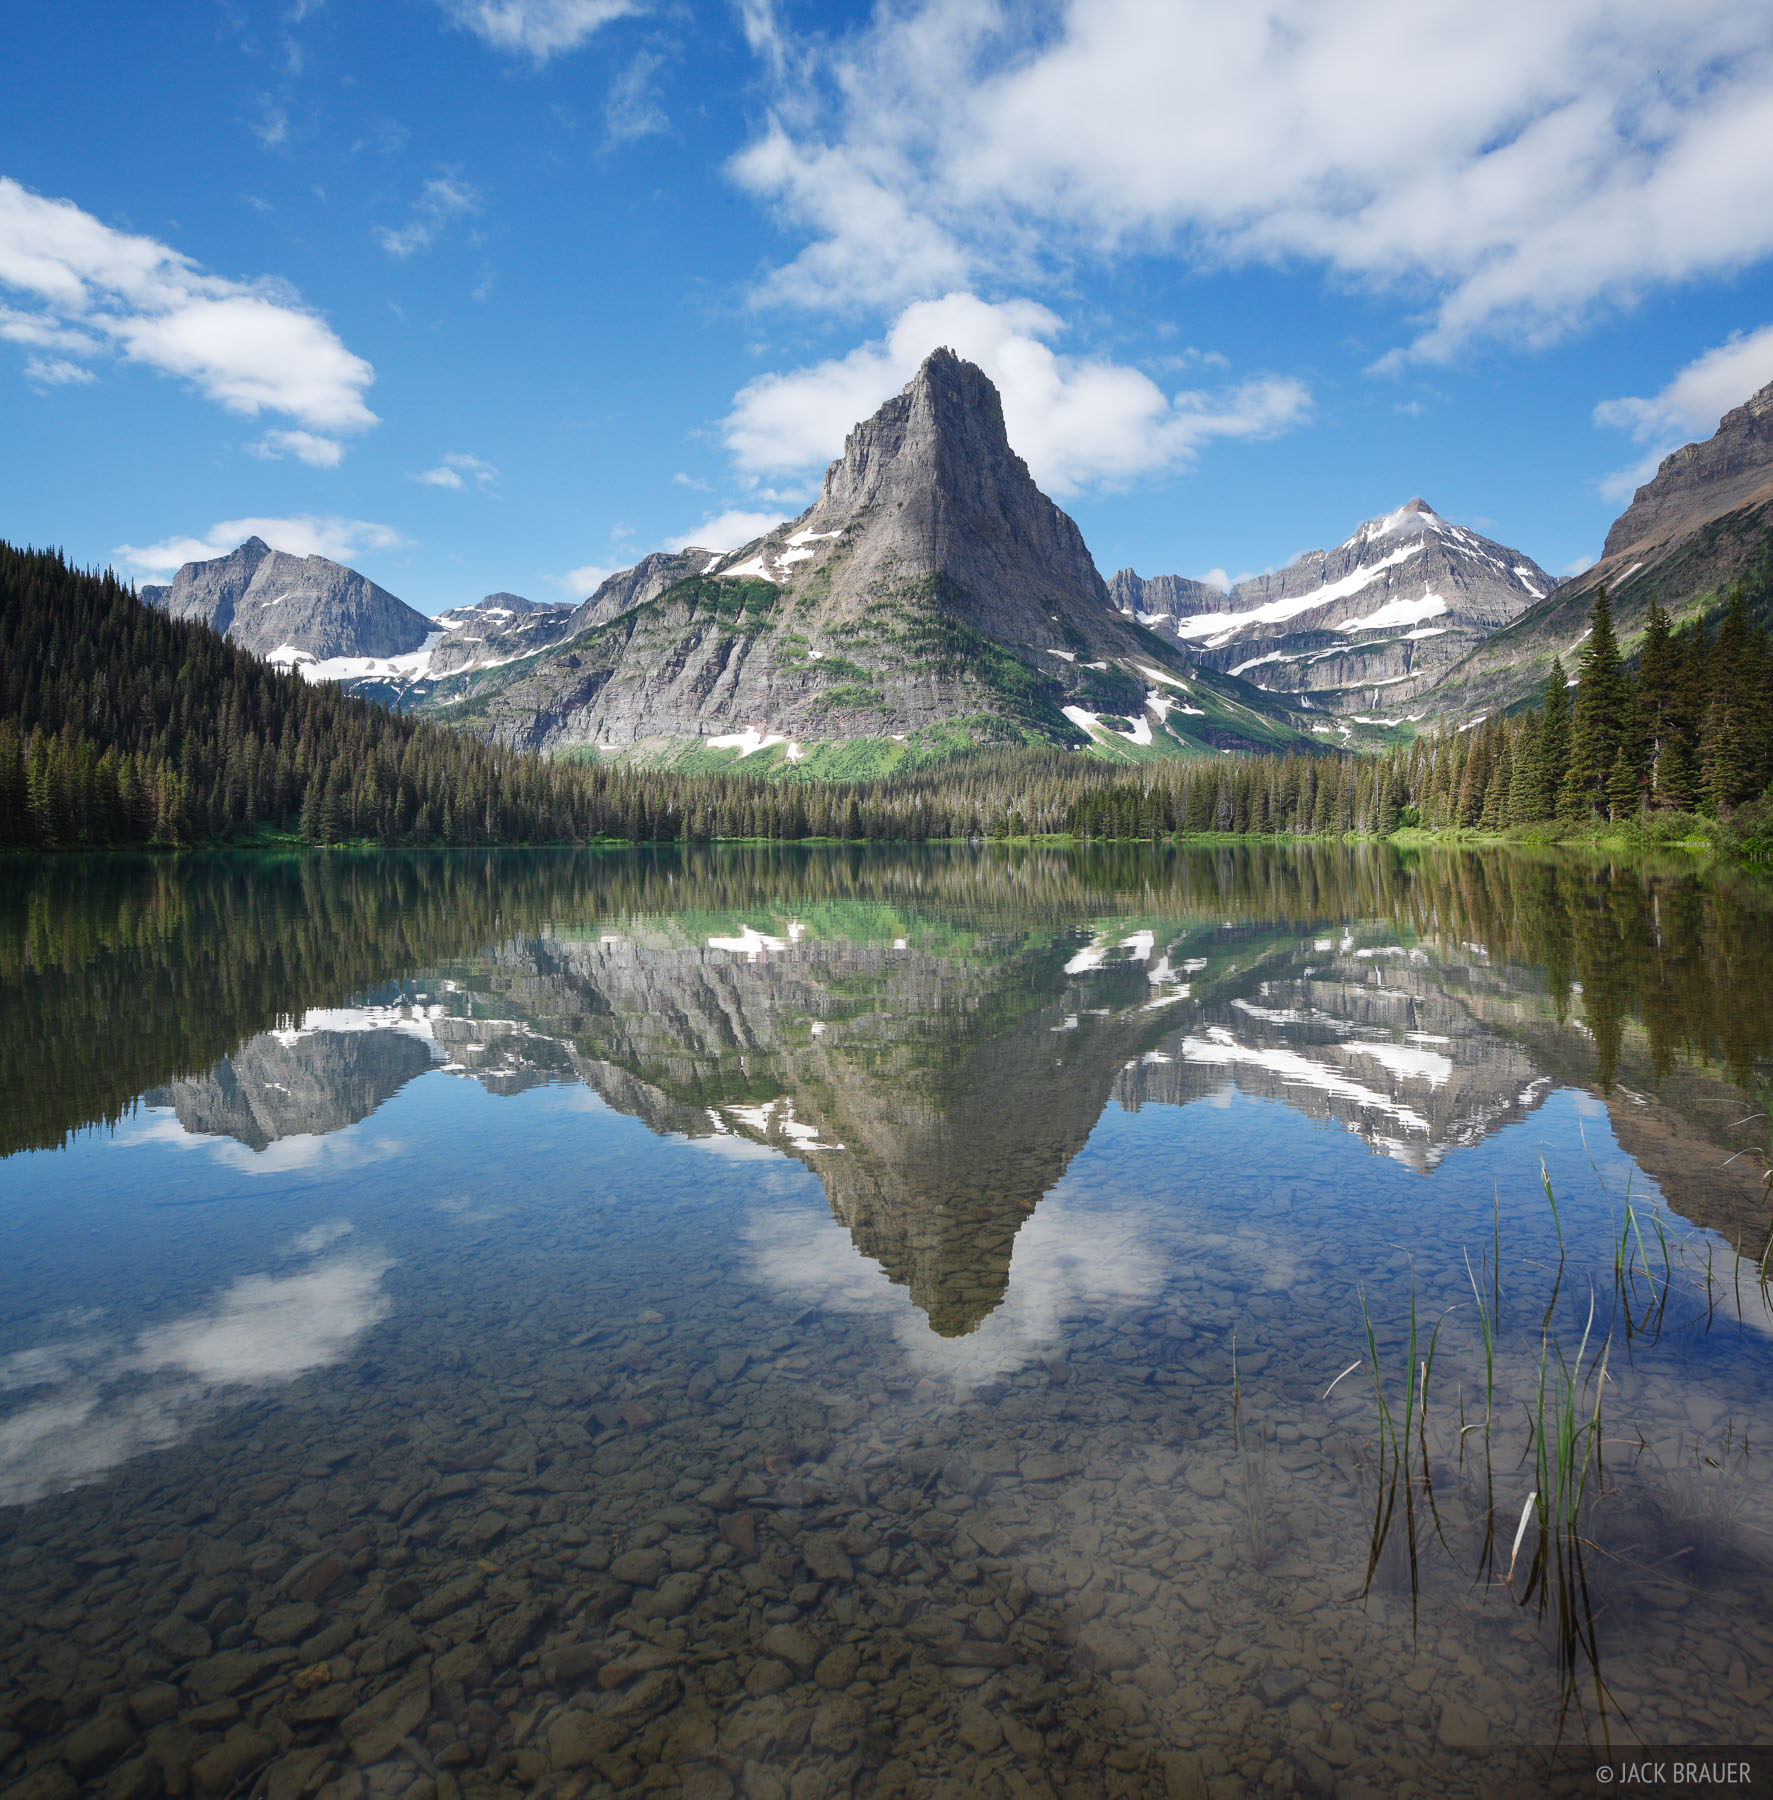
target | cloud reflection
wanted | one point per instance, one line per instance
(1068, 1258)
(300, 1150)
(110, 1399)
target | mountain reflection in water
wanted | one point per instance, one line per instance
(935, 1034)
(870, 1321)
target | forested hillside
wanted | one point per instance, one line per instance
(121, 726)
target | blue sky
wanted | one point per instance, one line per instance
(481, 294)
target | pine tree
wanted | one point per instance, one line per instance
(1521, 797)
(1730, 765)
(1495, 813)
(1659, 670)
(1623, 789)
(1552, 753)
(1597, 723)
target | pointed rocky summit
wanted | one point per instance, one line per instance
(931, 596)
(307, 607)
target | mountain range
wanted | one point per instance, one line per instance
(939, 1083)
(1360, 630)
(933, 599)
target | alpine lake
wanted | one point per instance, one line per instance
(1194, 1322)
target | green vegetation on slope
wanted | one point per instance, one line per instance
(119, 726)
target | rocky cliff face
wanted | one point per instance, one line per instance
(305, 607)
(1703, 520)
(1359, 630)
(648, 579)
(1167, 597)
(931, 588)
(1700, 482)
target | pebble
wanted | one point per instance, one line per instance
(799, 1649)
(220, 1771)
(376, 1727)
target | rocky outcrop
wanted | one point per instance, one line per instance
(1166, 596)
(1705, 519)
(1359, 630)
(497, 629)
(930, 589)
(268, 601)
(1701, 482)
(629, 588)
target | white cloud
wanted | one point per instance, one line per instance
(440, 200)
(1511, 166)
(726, 531)
(536, 28)
(250, 347)
(306, 535)
(1077, 421)
(583, 581)
(271, 1328)
(304, 446)
(457, 464)
(633, 110)
(1707, 388)
(320, 1237)
(1621, 484)
(271, 127)
(56, 371)
(1689, 407)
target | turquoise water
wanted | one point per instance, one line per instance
(871, 1323)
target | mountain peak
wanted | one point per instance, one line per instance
(1700, 482)
(284, 606)
(943, 432)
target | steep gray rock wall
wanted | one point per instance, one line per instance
(1701, 482)
(265, 600)
(628, 588)
(1167, 596)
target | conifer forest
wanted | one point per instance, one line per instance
(120, 726)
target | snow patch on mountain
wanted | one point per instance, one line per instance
(1220, 628)
(1398, 612)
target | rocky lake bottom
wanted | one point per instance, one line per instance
(501, 1432)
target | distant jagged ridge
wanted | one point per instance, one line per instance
(1358, 631)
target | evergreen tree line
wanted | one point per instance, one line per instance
(1689, 730)
(121, 726)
